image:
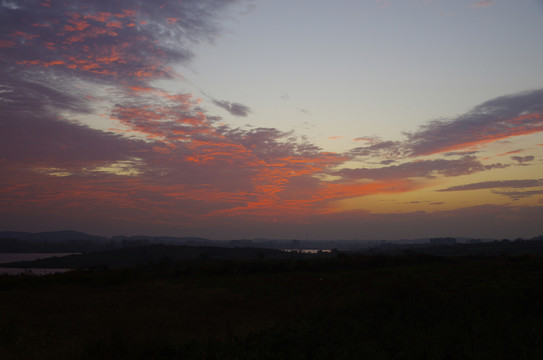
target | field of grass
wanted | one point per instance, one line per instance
(349, 307)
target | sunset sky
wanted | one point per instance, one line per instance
(346, 119)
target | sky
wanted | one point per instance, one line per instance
(228, 119)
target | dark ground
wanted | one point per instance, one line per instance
(345, 307)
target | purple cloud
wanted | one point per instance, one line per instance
(500, 118)
(424, 169)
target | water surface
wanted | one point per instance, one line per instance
(12, 257)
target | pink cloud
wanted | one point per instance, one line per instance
(482, 4)
(368, 139)
(510, 152)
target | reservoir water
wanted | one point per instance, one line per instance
(12, 257)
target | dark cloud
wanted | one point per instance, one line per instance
(233, 108)
(499, 184)
(517, 195)
(32, 131)
(424, 169)
(500, 118)
(523, 159)
(25, 95)
(461, 153)
(378, 148)
(50, 143)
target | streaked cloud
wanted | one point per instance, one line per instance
(420, 169)
(517, 195)
(496, 119)
(499, 184)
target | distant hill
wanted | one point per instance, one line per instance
(50, 236)
(162, 239)
(67, 235)
(143, 255)
(76, 241)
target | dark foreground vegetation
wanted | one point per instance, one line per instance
(343, 307)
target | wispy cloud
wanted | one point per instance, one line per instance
(482, 4)
(499, 184)
(511, 152)
(517, 195)
(233, 108)
(378, 148)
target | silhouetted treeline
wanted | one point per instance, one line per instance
(446, 247)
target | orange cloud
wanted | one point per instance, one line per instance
(102, 16)
(510, 152)
(23, 35)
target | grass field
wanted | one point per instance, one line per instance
(349, 307)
